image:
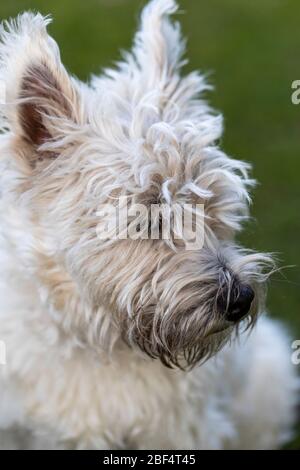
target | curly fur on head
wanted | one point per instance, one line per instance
(141, 131)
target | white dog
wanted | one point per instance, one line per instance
(110, 343)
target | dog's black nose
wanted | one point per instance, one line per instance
(238, 304)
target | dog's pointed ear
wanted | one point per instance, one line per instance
(158, 45)
(37, 87)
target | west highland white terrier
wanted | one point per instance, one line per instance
(117, 342)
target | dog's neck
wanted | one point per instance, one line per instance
(55, 292)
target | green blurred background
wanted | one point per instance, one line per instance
(251, 50)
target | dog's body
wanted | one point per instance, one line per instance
(80, 317)
(71, 399)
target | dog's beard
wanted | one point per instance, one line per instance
(177, 345)
(184, 336)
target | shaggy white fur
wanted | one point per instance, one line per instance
(91, 326)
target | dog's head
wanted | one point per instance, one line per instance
(139, 134)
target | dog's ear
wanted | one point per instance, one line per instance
(38, 92)
(158, 45)
(158, 54)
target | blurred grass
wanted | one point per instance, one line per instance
(251, 49)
